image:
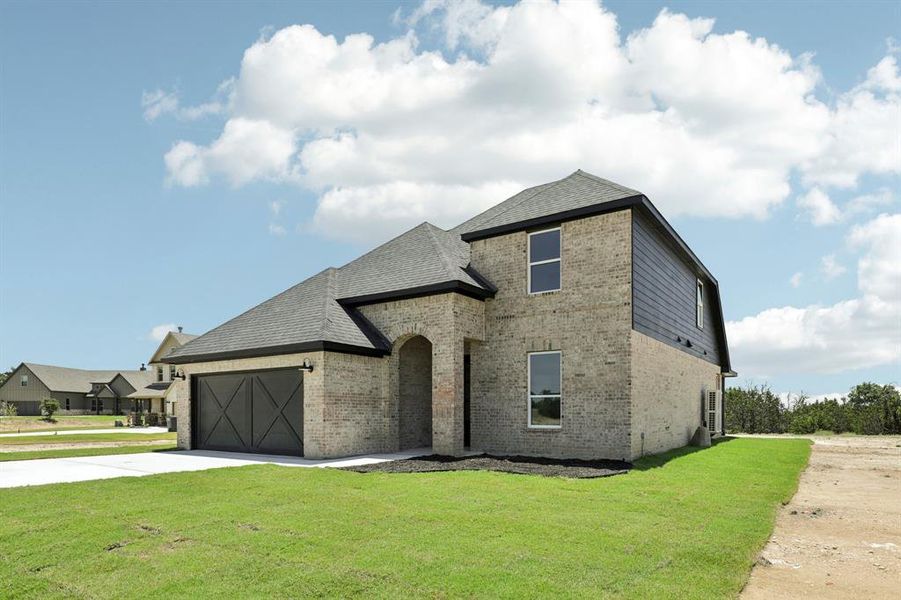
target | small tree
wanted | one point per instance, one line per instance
(8, 409)
(48, 407)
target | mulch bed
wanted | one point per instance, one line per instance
(524, 465)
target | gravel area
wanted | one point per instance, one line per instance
(840, 536)
(524, 465)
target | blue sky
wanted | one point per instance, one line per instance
(135, 195)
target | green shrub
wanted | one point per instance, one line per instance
(48, 407)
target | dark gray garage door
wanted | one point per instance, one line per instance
(259, 411)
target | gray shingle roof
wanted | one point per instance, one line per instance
(318, 310)
(578, 190)
(64, 379)
(425, 259)
(304, 314)
(425, 255)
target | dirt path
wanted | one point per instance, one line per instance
(66, 446)
(840, 536)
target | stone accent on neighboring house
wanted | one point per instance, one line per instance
(448, 321)
(589, 321)
(667, 393)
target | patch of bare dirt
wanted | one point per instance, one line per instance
(840, 536)
(68, 445)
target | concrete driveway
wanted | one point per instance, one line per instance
(64, 470)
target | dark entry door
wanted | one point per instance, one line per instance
(259, 411)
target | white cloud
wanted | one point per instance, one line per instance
(160, 102)
(879, 269)
(795, 279)
(159, 332)
(852, 334)
(869, 202)
(705, 123)
(864, 133)
(820, 208)
(831, 267)
(277, 230)
(246, 150)
(275, 207)
(401, 205)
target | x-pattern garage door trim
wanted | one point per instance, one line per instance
(222, 411)
(280, 408)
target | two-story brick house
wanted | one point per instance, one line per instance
(569, 320)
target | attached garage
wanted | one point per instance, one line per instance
(255, 411)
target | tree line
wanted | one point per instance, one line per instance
(868, 409)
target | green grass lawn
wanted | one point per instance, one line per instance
(83, 438)
(75, 452)
(687, 524)
(59, 423)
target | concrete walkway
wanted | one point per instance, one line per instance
(86, 468)
(135, 430)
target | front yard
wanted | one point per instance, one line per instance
(58, 423)
(686, 524)
(61, 445)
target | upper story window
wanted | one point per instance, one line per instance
(700, 305)
(545, 383)
(159, 373)
(544, 261)
(23, 381)
(171, 372)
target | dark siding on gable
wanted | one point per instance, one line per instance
(663, 294)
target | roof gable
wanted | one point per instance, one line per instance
(172, 339)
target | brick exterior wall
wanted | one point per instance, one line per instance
(448, 321)
(667, 389)
(617, 383)
(589, 320)
(414, 410)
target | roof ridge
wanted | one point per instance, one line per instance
(445, 261)
(328, 296)
(593, 177)
(385, 243)
(539, 189)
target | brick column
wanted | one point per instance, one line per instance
(447, 395)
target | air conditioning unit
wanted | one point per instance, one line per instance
(713, 411)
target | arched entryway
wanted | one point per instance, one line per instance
(414, 428)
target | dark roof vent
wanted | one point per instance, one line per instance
(143, 368)
(179, 329)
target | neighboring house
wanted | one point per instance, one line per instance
(569, 321)
(81, 391)
(78, 391)
(154, 396)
